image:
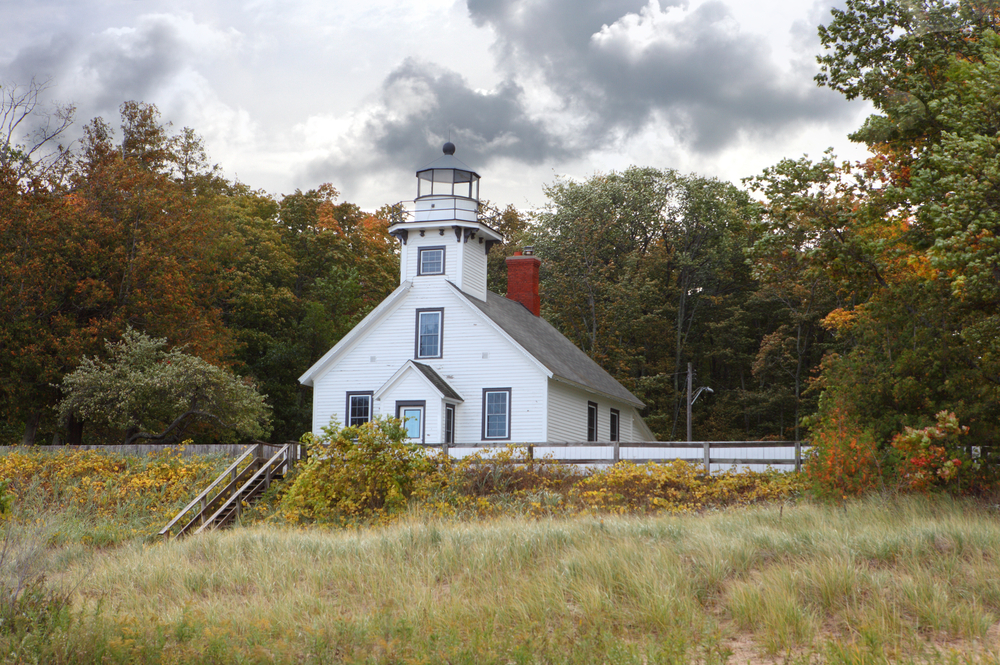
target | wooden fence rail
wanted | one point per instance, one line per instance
(706, 447)
(222, 449)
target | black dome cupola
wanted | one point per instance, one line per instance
(448, 176)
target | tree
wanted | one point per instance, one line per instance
(149, 393)
(119, 244)
(300, 273)
(27, 131)
(924, 340)
(514, 225)
(645, 271)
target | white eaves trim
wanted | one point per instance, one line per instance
(592, 391)
(464, 299)
(355, 333)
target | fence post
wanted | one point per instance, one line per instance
(617, 453)
(798, 456)
(444, 449)
(707, 449)
(531, 452)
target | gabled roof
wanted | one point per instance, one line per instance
(428, 374)
(442, 386)
(549, 347)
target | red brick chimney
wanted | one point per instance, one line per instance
(522, 279)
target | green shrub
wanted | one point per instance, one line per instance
(6, 500)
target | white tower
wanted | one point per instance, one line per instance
(445, 239)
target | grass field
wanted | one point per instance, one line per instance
(908, 580)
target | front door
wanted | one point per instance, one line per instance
(412, 415)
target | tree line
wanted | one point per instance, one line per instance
(858, 298)
(136, 230)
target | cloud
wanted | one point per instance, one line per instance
(576, 77)
(690, 64)
(419, 107)
(157, 58)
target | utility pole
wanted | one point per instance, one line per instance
(690, 388)
(691, 397)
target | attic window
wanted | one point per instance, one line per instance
(430, 261)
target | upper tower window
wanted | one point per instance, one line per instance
(430, 261)
(448, 176)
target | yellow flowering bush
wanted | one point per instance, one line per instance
(677, 486)
(117, 490)
(353, 474)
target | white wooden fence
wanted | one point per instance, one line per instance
(714, 455)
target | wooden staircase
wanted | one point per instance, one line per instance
(246, 479)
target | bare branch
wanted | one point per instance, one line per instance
(28, 130)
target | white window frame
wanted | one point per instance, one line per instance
(505, 436)
(417, 347)
(421, 252)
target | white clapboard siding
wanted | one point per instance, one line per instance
(474, 356)
(432, 239)
(568, 419)
(474, 268)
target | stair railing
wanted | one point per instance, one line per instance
(254, 451)
(285, 456)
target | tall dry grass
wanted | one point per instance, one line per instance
(909, 580)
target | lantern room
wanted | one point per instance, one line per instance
(448, 176)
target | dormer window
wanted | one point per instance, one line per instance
(430, 261)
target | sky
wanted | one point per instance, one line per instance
(362, 93)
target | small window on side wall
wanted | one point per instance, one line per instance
(591, 421)
(430, 261)
(449, 424)
(615, 417)
(496, 413)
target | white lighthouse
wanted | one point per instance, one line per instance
(455, 363)
(445, 236)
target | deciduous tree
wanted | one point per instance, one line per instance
(150, 393)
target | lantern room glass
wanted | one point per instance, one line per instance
(448, 182)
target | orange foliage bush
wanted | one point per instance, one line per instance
(844, 460)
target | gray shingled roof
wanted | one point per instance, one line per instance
(438, 382)
(550, 347)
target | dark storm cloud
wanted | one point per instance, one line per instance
(694, 73)
(711, 82)
(439, 105)
(101, 71)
